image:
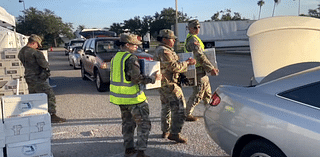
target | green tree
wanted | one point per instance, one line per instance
(45, 24)
(314, 12)
(260, 4)
(226, 16)
(276, 2)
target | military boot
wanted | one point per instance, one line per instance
(141, 154)
(129, 152)
(177, 138)
(56, 119)
(165, 134)
(191, 118)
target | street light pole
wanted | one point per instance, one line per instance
(24, 7)
(176, 28)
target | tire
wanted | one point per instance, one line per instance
(101, 87)
(261, 148)
(74, 65)
(209, 45)
(83, 72)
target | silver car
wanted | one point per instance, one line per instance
(278, 118)
(74, 57)
(279, 114)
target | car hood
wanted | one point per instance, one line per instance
(280, 41)
(106, 57)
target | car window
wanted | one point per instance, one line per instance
(91, 46)
(76, 43)
(106, 46)
(308, 94)
(85, 45)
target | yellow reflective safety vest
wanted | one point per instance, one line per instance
(123, 92)
(186, 41)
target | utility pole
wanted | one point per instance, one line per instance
(176, 28)
(24, 7)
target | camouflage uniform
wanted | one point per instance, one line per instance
(137, 114)
(203, 89)
(172, 99)
(35, 63)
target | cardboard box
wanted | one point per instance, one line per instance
(211, 55)
(148, 68)
(6, 93)
(24, 105)
(2, 71)
(20, 129)
(10, 64)
(2, 136)
(1, 152)
(14, 71)
(191, 74)
(33, 148)
(16, 130)
(10, 55)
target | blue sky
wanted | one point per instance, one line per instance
(102, 13)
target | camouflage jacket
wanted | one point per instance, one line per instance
(170, 65)
(33, 61)
(193, 45)
(133, 72)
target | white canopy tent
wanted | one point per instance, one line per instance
(10, 38)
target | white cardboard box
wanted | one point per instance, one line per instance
(20, 129)
(16, 130)
(24, 105)
(33, 148)
(191, 74)
(2, 136)
(148, 68)
(1, 152)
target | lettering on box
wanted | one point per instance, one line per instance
(40, 126)
(25, 106)
(10, 56)
(12, 71)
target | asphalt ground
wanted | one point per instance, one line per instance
(93, 127)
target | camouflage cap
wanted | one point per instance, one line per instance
(130, 38)
(193, 23)
(36, 38)
(167, 33)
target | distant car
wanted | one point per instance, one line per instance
(75, 56)
(279, 115)
(73, 43)
(95, 61)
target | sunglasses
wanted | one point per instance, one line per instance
(197, 27)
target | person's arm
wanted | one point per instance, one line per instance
(171, 63)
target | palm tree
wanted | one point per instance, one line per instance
(276, 2)
(260, 4)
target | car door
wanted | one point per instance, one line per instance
(90, 58)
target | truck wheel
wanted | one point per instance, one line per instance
(261, 148)
(83, 72)
(209, 45)
(101, 87)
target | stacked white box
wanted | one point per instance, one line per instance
(191, 74)
(148, 68)
(33, 148)
(24, 105)
(21, 129)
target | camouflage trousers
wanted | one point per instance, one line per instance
(200, 92)
(133, 115)
(173, 108)
(43, 87)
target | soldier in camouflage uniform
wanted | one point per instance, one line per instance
(172, 99)
(37, 72)
(203, 89)
(132, 114)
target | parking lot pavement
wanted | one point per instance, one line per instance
(93, 128)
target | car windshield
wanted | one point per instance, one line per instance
(76, 43)
(106, 46)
